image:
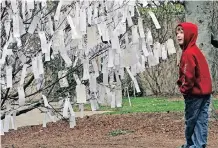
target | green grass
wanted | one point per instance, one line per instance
(148, 104)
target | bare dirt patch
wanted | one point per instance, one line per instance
(148, 130)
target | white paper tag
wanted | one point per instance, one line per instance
(9, 76)
(129, 19)
(74, 31)
(65, 109)
(63, 81)
(30, 4)
(40, 64)
(16, 27)
(81, 93)
(78, 82)
(43, 40)
(111, 54)
(144, 48)
(1, 127)
(21, 95)
(95, 67)
(141, 29)
(163, 51)
(7, 26)
(134, 80)
(105, 78)
(156, 23)
(23, 74)
(149, 39)
(6, 123)
(135, 35)
(115, 42)
(83, 21)
(86, 69)
(170, 47)
(92, 83)
(45, 101)
(33, 24)
(57, 13)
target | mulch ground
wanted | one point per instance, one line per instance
(148, 130)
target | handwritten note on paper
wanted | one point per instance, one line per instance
(156, 23)
(9, 76)
(81, 93)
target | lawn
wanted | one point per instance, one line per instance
(148, 104)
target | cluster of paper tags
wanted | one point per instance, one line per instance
(91, 23)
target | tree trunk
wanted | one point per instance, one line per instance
(201, 13)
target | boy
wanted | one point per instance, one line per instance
(195, 85)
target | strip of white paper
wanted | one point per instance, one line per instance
(156, 23)
(86, 69)
(63, 82)
(129, 19)
(149, 39)
(21, 26)
(6, 123)
(40, 64)
(141, 29)
(78, 82)
(163, 51)
(16, 27)
(23, 74)
(83, 21)
(115, 42)
(9, 76)
(65, 109)
(7, 26)
(30, 4)
(95, 67)
(33, 24)
(170, 47)
(81, 93)
(1, 127)
(134, 80)
(144, 48)
(21, 95)
(111, 54)
(57, 14)
(35, 67)
(43, 40)
(47, 55)
(135, 35)
(92, 83)
(74, 32)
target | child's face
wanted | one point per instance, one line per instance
(180, 35)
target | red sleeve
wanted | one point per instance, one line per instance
(188, 70)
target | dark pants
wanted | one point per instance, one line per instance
(196, 120)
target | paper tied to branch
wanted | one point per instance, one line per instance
(85, 68)
(95, 67)
(78, 82)
(92, 83)
(81, 93)
(74, 32)
(149, 38)
(63, 79)
(33, 25)
(83, 22)
(141, 29)
(170, 46)
(156, 23)
(135, 35)
(43, 40)
(163, 51)
(58, 10)
(9, 76)
(133, 79)
(21, 95)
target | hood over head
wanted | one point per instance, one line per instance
(190, 34)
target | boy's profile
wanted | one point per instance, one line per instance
(195, 84)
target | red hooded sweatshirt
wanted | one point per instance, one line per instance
(194, 74)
